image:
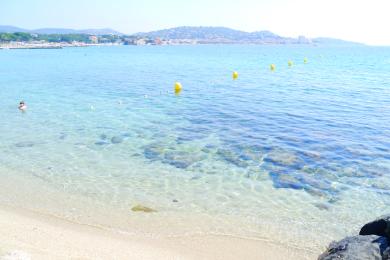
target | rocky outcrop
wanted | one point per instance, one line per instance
(371, 243)
(358, 247)
(379, 227)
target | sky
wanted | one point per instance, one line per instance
(366, 21)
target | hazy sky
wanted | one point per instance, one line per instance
(365, 21)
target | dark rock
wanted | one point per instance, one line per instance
(175, 201)
(117, 139)
(379, 227)
(358, 247)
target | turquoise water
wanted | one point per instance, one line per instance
(283, 155)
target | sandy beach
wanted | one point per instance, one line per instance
(29, 235)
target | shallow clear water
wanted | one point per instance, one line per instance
(283, 155)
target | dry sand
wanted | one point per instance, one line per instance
(29, 235)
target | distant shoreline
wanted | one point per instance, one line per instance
(22, 45)
(184, 35)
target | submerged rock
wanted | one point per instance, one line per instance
(117, 139)
(100, 143)
(24, 144)
(153, 151)
(316, 182)
(232, 158)
(319, 173)
(140, 208)
(321, 206)
(292, 179)
(281, 157)
(358, 247)
(181, 159)
(286, 180)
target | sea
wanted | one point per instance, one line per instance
(299, 155)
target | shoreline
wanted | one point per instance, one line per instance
(35, 195)
(23, 46)
(43, 236)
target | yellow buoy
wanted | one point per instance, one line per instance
(235, 75)
(305, 60)
(290, 63)
(177, 87)
(272, 67)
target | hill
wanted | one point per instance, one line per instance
(11, 29)
(227, 35)
(215, 35)
(334, 42)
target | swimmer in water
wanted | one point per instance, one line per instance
(22, 106)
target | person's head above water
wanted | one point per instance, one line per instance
(22, 105)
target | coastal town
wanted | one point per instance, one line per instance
(35, 41)
(55, 39)
(62, 38)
